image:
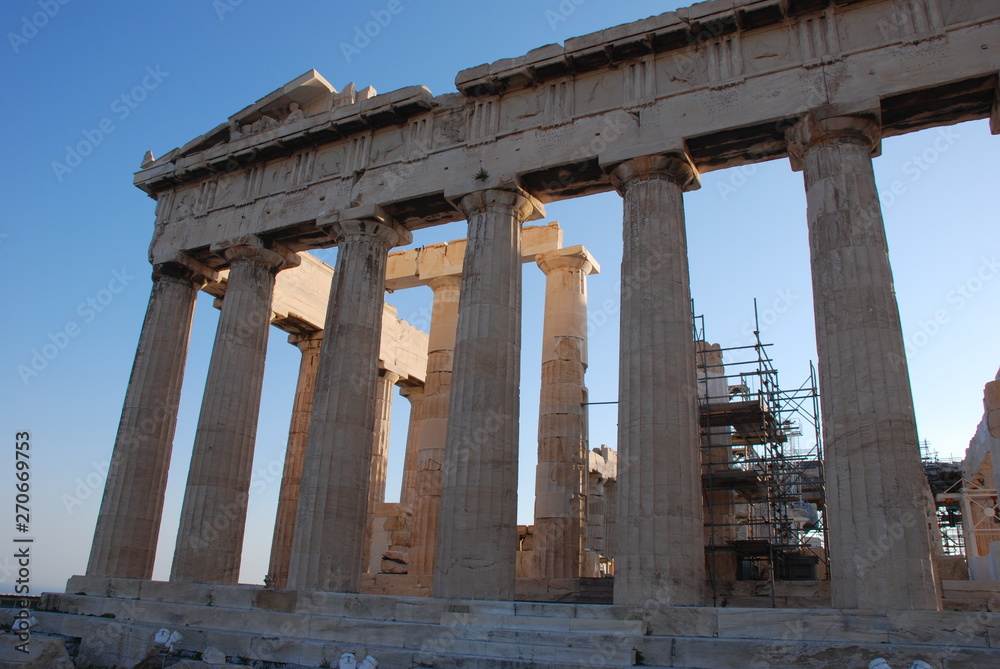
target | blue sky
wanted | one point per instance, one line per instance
(130, 77)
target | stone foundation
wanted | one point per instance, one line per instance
(292, 628)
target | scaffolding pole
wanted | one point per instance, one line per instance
(753, 465)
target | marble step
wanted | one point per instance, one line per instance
(126, 643)
(220, 620)
(593, 642)
(436, 646)
(384, 607)
(444, 661)
(589, 657)
(566, 625)
(704, 653)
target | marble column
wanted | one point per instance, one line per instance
(327, 552)
(129, 520)
(384, 390)
(415, 395)
(561, 473)
(434, 426)
(291, 478)
(213, 515)
(660, 555)
(477, 527)
(880, 547)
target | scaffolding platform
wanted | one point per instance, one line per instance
(763, 487)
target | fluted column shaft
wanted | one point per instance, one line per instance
(561, 473)
(875, 484)
(129, 521)
(415, 395)
(327, 552)
(291, 478)
(384, 388)
(213, 516)
(477, 528)
(434, 425)
(659, 549)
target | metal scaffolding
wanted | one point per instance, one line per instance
(945, 478)
(762, 467)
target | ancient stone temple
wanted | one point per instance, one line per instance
(642, 109)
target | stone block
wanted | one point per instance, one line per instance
(420, 611)
(682, 621)
(396, 556)
(325, 603)
(585, 42)
(284, 601)
(181, 593)
(113, 644)
(529, 653)
(483, 607)
(543, 53)
(599, 612)
(233, 596)
(393, 567)
(44, 652)
(370, 607)
(471, 74)
(87, 585)
(293, 651)
(610, 627)
(213, 655)
(991, 396)
(656, 651)
(233, 644)
(125, 588)
(939, 628)
(993, 423)
(800, 625)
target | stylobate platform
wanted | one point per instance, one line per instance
(115, 620)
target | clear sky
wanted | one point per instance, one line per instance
(74, 239)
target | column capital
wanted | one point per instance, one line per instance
(183, 273)
(253, 249)
(524, 205)
(391, 377)
(413, 393)
(676, 167)
(450, 281)
(813, 130)
(311, 339)
(369, 223)
(572, 257)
